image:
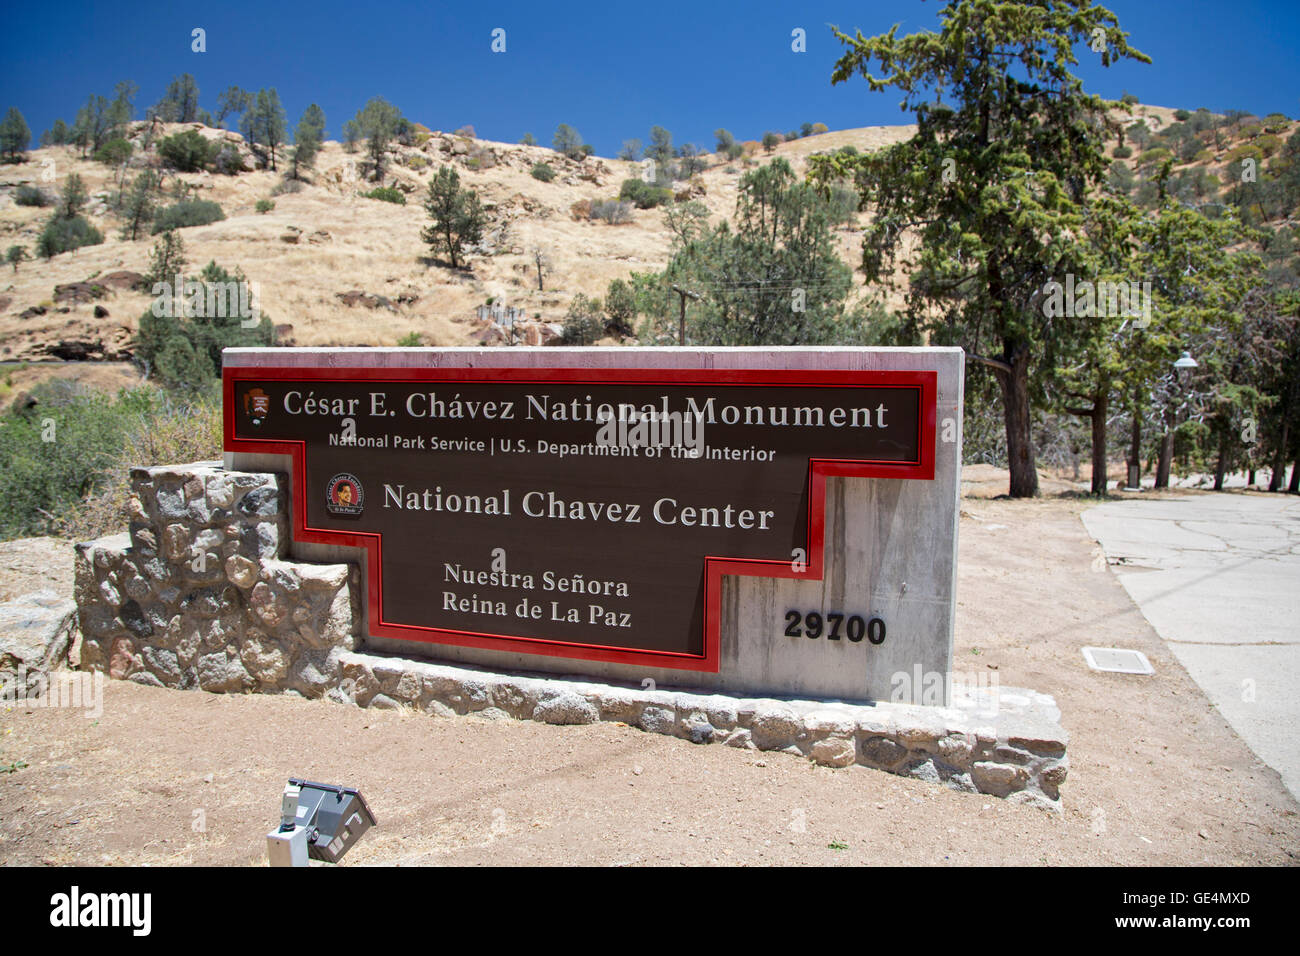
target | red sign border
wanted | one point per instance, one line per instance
(819, 469)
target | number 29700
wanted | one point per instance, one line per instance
(834, 626)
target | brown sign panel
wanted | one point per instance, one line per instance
(587, 513)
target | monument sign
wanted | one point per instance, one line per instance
(749, 515)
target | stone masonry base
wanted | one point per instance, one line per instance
(1005, 742)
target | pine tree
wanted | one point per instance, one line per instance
(307, 139)
(378, 122)
(166, 259)
(458, 218)
(991, 183)
(73, 198)
(14, 134)
(180, 104)
(233, 99)
(141, 202)
(567, 141)
(263, 125)
(661, 146)
(775, 279)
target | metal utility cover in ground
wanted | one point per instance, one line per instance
(1117, 660)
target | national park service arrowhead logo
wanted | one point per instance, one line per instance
(257, 405)
(344, 495)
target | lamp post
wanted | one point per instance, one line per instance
(1183, 368)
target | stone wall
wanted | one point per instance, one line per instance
(199, 593)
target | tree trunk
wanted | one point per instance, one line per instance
(1250, 478)
(1294, 487)
(1279, 459)
(1135, 441)
(1221, 466)
(1099, 482)
(1166, 457)
(1019, 422)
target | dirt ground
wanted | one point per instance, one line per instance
(1156, 775)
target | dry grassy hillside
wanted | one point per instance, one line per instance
(327, 239)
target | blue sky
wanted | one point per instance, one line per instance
(610, 69)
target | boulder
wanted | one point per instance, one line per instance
(122, 280)
(36, 633)
(78, 292)
(81, 350)
(370, 300)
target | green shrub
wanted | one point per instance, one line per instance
(285, 186)
(73, 442)
(643, 195)
(613, 212)
(1156, 155)
(32, 196)
(1129, 98)
(620, 305)
(1182, 115)
(1276, 123)
(191, 212)
(583, 326)
(1123, 152)
(1203, 156)
(227, 161)
(1120, 179)
(63, 234)
(387, 194)
(76, 485)
(188, 152)
(115, 152)
(1268, 145)
(543, 172)
(183, 349)
(411, 340)
(843, 205)
(265, 205)
(1246, 150)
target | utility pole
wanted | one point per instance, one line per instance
(681, 329)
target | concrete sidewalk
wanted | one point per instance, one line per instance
(1218, 577)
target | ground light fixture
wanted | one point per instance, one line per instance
(318, 821)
